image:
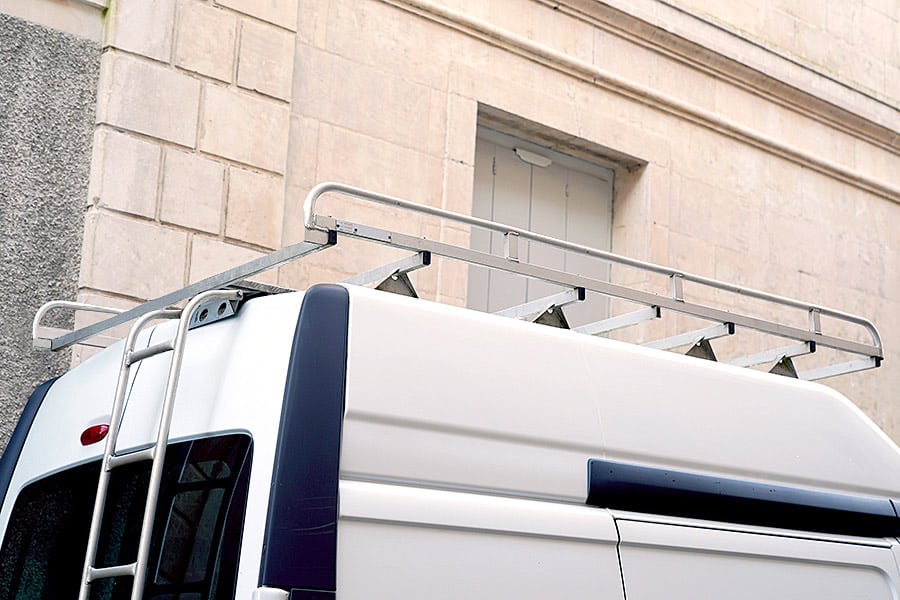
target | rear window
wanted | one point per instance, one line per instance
(196, 535)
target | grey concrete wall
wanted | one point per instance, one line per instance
(48, 83)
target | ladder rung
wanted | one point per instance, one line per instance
(110, 572)
(117, 460)
(138, 355)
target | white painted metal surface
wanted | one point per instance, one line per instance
(400, 542)
(681, 563)
(232, 380)
(515, 408)
(465, 446)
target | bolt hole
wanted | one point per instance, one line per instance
(203, 314)
(222, 308)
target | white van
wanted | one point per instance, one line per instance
(344, 442)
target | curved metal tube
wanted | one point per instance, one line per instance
(48, 306)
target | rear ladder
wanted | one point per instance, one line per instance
(193, 313)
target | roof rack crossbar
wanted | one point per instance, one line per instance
(529, 311)
(691, 338)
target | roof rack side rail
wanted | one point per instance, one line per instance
(675, 300)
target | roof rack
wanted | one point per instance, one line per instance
(324, 231)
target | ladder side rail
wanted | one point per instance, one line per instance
(315, 242)
(118, 409)
(162, 438)
(315, 222)
(637, 296)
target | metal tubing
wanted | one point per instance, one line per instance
(692, 337)
(110, 572)
(404, 265)
(839, 369)
(539, 306)
(221, 280)
(564, 279)
(163, 433)
(139, 355)
(620, 322)
(311, 222)
(773, 355)
(110, 447)
(36, 327)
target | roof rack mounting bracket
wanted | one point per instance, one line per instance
(398, 283)
(702, 349)
(785, 367)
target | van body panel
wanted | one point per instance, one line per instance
(494, 404)
(401, 542)
(453, 457)
(677, 562)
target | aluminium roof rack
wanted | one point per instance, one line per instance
(324, 231)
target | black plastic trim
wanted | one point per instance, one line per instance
(300, 540)
(670, 492)
(17, 441)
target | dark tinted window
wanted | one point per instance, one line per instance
(196, 535)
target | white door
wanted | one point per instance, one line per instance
(673, 562)
(527, 186)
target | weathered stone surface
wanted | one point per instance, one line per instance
(206, 38)
(244, 127)
(148, 98)
(266, 59)
(192, 191)
(255, 208)
(125, 172)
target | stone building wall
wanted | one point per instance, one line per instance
(746, 147)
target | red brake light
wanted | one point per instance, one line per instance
(94, 434)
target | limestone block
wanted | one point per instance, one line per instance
(372, 163)
(880, 33)
(142, 27)
(304, 142)
(255, 208)
(192, 191)
(379, 35)
(124, 173)
(205, 43)
(312, 24)
(266, 59)
(368, 100)
(279, 12)
(462, 122)
(244, 127)
(459, 180)
(148, 98)
(131, 257)
(210, 257)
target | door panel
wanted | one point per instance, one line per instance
(674, 562)
(568, 199)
